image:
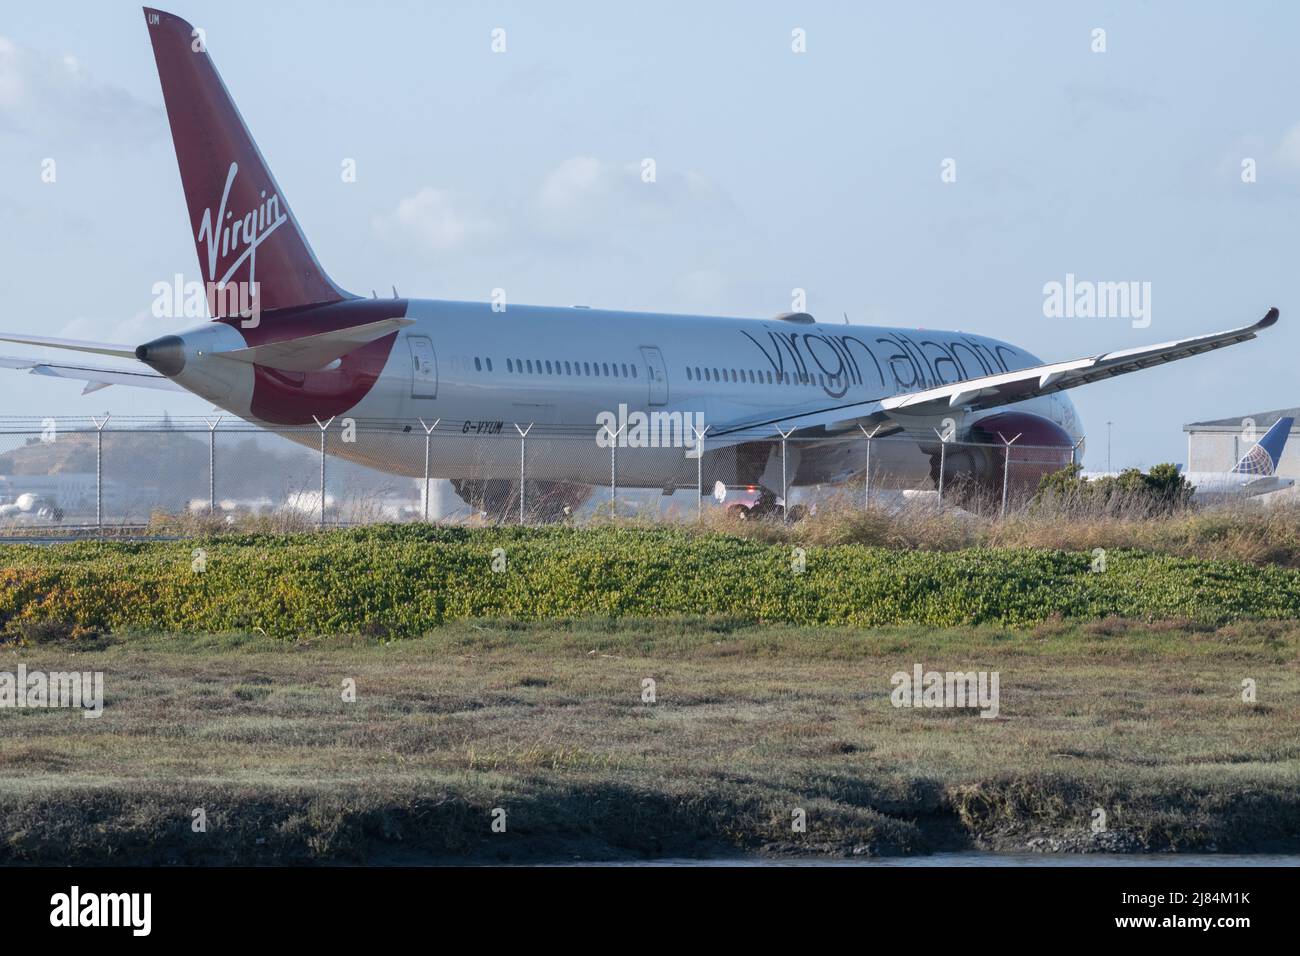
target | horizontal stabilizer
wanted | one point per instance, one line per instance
(310, 353)
(76, 345)
(95, 378)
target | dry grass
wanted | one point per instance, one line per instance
(548, 722)
(1247, 532)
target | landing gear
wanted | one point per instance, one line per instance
(498, 499)
(766, 506)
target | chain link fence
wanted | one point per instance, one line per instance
(106, 473)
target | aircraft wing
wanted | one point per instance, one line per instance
(95, 378)
(836, 418)
(977, 394)
(990, 391)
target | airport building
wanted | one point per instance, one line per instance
(1219, 444)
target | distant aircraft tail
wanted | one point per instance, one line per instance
(1262, 459)
(242, 226)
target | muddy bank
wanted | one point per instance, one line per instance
(160, 826)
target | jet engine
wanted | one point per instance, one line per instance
(975, 466)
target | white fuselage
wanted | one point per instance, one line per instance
(1211, 485)
(481, 372)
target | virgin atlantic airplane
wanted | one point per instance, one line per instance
(293, 348)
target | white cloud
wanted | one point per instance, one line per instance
(704, 289)
(54, 100)
(434, 221)
(582, 204)
(1288, 151)
(132, 330)
(592, 199)
(575, 183)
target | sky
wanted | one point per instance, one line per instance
(927, 165)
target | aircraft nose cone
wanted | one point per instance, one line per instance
(165, 355)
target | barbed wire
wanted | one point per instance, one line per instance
(504, 429)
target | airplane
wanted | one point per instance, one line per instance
(1255, 474)
(702, 399)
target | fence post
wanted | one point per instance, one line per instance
(1006, 468)
(523, 444)
(212, 464)
(99, 470)
(866, 493)
(322, 428)
(943, 461)
(699, 470)
(785, 489)
(613, 463)
(428, 434)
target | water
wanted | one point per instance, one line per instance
(988, 859)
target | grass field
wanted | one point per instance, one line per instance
(409, 580)
(547, 722)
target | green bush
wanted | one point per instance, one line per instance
(407, 580)
(1161, 491)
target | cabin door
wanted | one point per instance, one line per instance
(424, 367)
(656, 374)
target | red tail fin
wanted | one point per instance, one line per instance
(241, 223)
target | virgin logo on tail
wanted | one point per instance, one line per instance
(225, 235)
